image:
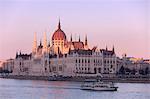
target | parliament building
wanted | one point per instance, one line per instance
(62, 57)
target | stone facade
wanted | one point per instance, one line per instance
(65, 58)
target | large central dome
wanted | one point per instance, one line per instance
(59, 34)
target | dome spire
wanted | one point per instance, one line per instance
(59, 26)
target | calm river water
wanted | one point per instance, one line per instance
(31, 89)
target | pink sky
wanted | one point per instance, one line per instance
(122, 23)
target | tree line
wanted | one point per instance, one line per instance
(4, 71)
(127, 71)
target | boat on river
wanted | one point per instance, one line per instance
(98, 85)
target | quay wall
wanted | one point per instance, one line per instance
(79, 79)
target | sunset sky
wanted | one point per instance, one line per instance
(122, 23)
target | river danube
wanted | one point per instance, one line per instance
(34, 89)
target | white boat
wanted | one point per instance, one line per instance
(98, 86)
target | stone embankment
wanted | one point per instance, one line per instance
(80, 79)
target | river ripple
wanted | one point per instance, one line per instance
(34, 89)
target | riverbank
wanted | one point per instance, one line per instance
(78, 79)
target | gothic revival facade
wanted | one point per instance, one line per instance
(65, 57)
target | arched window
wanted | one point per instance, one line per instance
(76, 60)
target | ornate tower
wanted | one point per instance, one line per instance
(44, 43)
(58, 40)
(86, 43)
(34, 47)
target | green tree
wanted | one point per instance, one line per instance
(122, 70)
(133, 72)
(146, 70)
(1, 70)
(141, 71)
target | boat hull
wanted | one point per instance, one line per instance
(100, 89)
(104, 89)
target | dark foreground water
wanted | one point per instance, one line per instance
(29, 89)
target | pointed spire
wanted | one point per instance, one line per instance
(113, 49)
(106, 48)
(86, 40)
(71, 38)
(34, 48)
(79, 38)
(59, 26)
(40, 42)
(86, 43)
(125, 55)
(20, 53)
(16, 54)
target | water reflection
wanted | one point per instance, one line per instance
(30, 89)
